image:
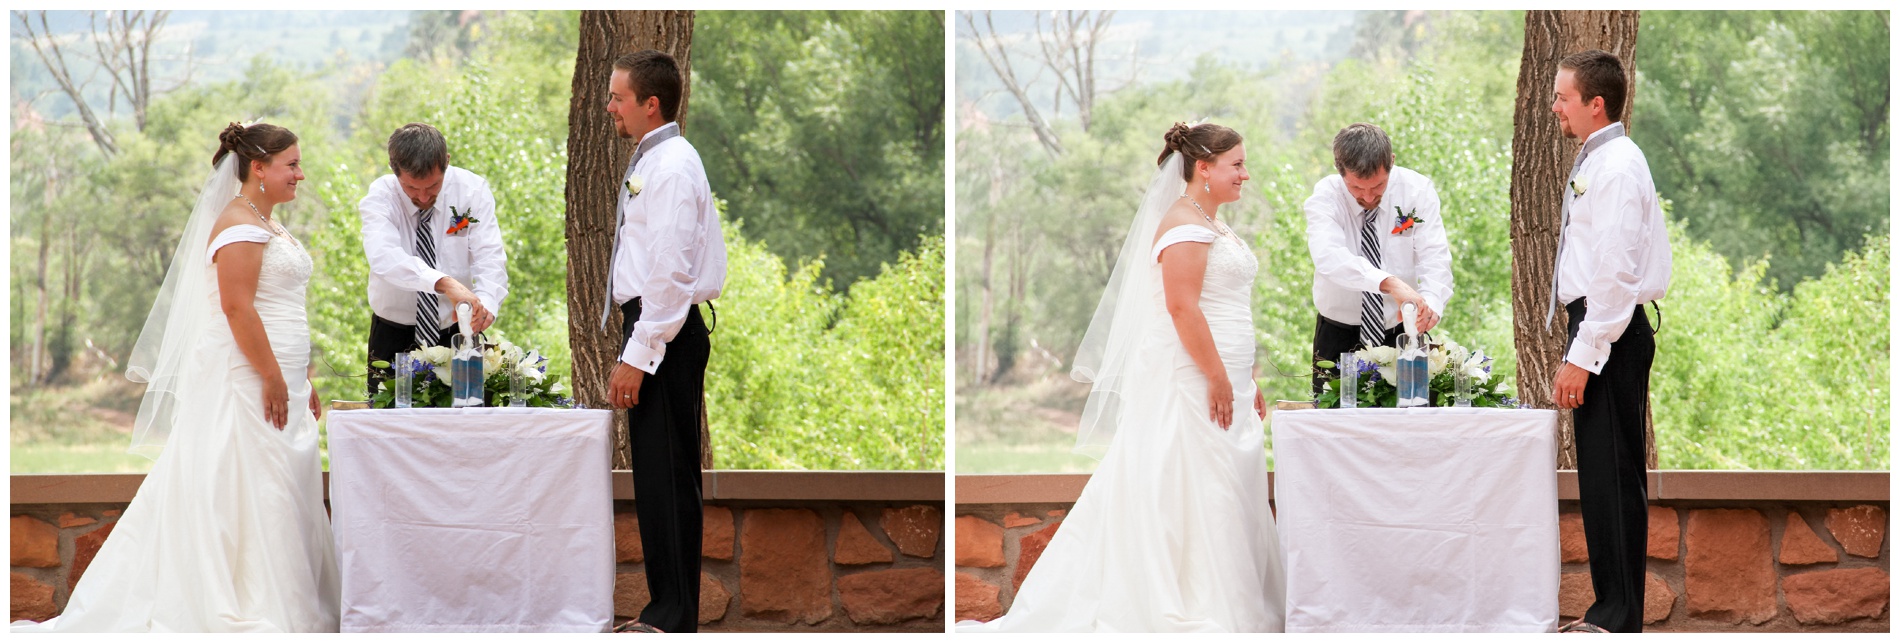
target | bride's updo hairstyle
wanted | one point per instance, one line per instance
(1203, 142)
(259, 142)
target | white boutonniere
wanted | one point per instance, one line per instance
(1578, 186)
(634, 185)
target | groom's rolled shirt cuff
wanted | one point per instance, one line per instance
(642, 357)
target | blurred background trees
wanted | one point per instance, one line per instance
(813, 367)
(1767, 133)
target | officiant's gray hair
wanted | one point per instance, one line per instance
(418, 150)
(1362, 149)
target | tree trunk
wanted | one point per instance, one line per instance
(988, 281)
(1540, 160)
(596, 158)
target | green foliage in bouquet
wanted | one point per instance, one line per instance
(430, 386)
(1377, 377)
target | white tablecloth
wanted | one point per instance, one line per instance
(473, 520)
(1418, 520)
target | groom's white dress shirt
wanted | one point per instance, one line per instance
(1616, 250)
(670, 252)
(474, 256)
(1419, 256)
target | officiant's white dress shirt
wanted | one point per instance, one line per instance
(670, 252)
(475, 256)
(1616, 250)
(1420, 256)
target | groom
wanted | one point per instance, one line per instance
(1377, 243)
(1612, 257)
(432, 239)
(668, 257)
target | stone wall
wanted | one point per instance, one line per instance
(1728, 551)
(782, 551)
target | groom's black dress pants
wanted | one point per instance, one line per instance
(1331, 338)
(663, 430)
(386, 338)
(1611, 476)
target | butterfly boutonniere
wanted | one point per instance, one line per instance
(1405, 220)
(459, 221)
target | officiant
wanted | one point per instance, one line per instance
(1377, 243)
(432, 239)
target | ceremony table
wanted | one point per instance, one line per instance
(1418, 520)
(473, 520)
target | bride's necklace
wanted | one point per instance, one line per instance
(1219, 228)
(269, 225)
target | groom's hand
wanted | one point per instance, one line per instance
(623, 387)
(1567, 391)
(1401, 293)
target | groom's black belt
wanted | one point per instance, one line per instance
(1581, 305)
(630, 309)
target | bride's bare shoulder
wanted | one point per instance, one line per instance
(1180, 214)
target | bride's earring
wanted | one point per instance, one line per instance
(1208, 187)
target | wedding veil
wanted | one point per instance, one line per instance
(178, 318)
(1111, 356)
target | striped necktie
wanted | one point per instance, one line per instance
(1612, 132)
(1372, 304)
(427, 331)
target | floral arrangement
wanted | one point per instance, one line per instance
(430, 385)
(1378, 375)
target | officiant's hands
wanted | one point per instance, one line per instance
(1401, 293)
(479, 317)
(623, 387)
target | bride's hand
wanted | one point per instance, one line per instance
(276, 402)
(315, 408)
(1220, 402)
(1259, 403)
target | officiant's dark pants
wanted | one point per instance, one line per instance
(386, 338)
(664, 431)
(1611, 473)
(1331, 338)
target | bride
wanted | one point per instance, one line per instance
(228, 532)
(1173, 532)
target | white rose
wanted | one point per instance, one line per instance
(635, 184)
(438, 355)
(442, 374)
(1383, 355)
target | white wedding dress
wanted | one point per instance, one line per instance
(228, 533)
(1173, 532)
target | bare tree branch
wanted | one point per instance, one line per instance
(996, 54)
(55, 63)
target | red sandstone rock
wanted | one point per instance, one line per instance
(783, 572)
(110, 513)
(70, 519)
(1575, 594)
(1570, 537)
(1665, 533)
(32, 600)
(1729, 573)
(1836, 595)
(1013, 520)
(915, 529)
(1658, 599)
(84, 548)
(979, 543)
(856, 546)
(35, 543)
(1800, 546)
(630, 595)
(891, 596)
(1058, 513)
(627, 538)
(1030, 550)
(713, 599)
(1859, 529)
(977, 600)
(716, 535)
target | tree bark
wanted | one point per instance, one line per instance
(596, 158)
(1540, 160)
